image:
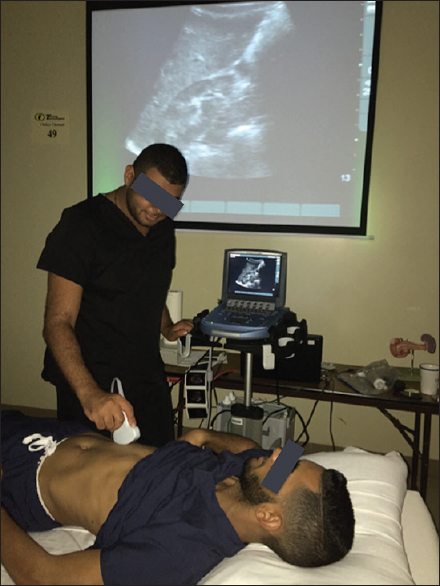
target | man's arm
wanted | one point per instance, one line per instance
(174, 331)
(28, 563)
(63, 302)
(217, 441)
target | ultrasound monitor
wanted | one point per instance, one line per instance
(254, 275)
(253, 294)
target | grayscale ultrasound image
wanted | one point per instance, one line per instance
(207, 94)
(250, 276)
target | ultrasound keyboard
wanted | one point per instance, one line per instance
(242, 319)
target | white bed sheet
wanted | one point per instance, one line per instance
(421, 540)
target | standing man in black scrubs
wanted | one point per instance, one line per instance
(109, 262)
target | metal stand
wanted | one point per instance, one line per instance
(248, 380)
(247, 419)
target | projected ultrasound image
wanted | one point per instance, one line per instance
(253, 275)
(207, 98)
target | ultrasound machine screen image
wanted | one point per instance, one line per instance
(253, 295)
(256, 274)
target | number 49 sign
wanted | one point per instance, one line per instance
(50, 127)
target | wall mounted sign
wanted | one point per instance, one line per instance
(50, 127)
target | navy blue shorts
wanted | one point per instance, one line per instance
(26, 441)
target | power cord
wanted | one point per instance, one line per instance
(305, 426)
(273, 413)
(219, 413)
(330, 426)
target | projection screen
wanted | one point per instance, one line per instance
(272, 104)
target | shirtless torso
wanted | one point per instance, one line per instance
(79, 483)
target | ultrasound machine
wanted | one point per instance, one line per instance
(252, 303)
(253, 295)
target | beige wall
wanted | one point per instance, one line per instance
(358, 293)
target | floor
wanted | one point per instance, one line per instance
(433, 489)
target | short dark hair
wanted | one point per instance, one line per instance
(318, 527)
(167, 159)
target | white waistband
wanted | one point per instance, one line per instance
(38, 442)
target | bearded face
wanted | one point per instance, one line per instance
(252, 491)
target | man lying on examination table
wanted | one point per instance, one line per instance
(163, 515)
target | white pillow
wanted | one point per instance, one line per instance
(377, 486)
